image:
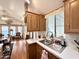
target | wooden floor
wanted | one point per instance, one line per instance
(19, 50)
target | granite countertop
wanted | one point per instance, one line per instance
(68, 52)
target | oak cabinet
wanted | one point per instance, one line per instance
(39, 52)
(35, 22)
(71, 16)
(42, 23)
(32, 22)
(31, 51)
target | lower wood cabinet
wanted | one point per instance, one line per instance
(35, 52)
(39, 51)
(51, 56)
(31, 51)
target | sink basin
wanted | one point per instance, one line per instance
(53, 46)
(46, 42)
(56, 47)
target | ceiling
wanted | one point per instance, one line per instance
(44, 6)
(16, 7)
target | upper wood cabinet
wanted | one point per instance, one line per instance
(29, 22)
(35, 22)
(71, 16)
(42, 23)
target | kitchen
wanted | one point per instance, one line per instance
(49, 29)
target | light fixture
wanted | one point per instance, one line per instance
(27, 1)
(4, 17)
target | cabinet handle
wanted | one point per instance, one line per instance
(68, 25)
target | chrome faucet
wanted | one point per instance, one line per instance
(50, 36)
(49, 33)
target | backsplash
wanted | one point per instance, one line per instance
(70, 40)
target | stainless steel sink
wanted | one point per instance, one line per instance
(46, 42)
(53, 46)
(57, 48)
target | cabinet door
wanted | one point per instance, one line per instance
(66, 17)
(39, 51)
(36, 22)
(30, 22)
(33, 22)
(42, 23)
(74, 16)
(31, 51)
(51, 56)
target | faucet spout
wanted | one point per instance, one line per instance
(50, 34)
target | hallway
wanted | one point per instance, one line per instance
(19, 50)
